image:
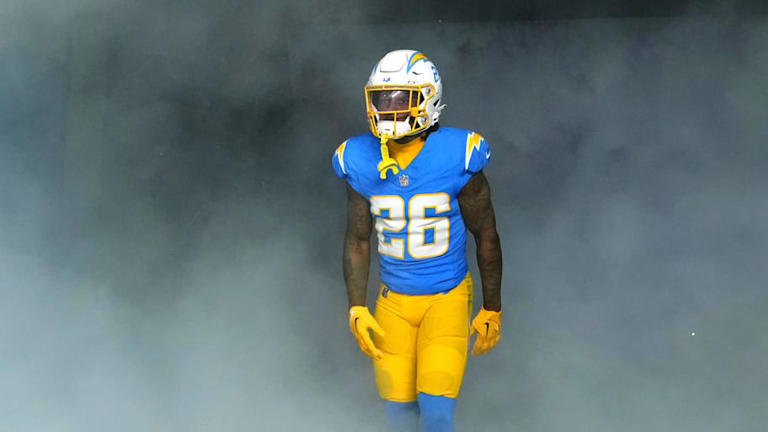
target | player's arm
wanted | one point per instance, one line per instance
(357, 253)
(357, 247)
(477, 211)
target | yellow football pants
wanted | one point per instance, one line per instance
(425, 347)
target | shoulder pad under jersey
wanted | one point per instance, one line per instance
(477, 153)
(338, 161)
(355, 161)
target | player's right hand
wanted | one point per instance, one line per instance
(360, 322)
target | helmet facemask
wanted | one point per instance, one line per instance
(396, 110)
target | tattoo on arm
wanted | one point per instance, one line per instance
(357, 248)
(477, 211)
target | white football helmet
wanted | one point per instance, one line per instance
(403, 94)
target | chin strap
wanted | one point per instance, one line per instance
(387, 163)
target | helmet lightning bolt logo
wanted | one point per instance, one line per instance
(474, 140)
(415, 57)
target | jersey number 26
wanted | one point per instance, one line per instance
(417, 224)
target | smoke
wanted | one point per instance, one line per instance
(632, 203)
(171, 230)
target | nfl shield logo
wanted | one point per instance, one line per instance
(404, 180)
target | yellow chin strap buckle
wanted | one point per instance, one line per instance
(387, 163)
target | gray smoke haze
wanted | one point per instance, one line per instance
(170, 233)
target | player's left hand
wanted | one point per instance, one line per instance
(487, 325)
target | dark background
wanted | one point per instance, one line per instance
(170, 226)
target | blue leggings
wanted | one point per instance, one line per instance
(436, 414)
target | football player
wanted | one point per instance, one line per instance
(422, 187)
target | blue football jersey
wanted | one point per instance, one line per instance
(421, 234)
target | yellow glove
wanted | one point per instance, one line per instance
(487, 324)
(360, 321)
